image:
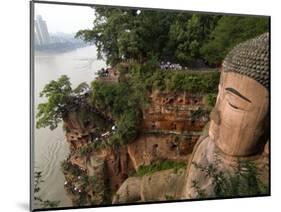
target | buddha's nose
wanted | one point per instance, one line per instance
(215, 116)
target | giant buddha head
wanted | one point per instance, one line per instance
(240, 119)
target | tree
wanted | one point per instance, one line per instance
(189, 34)
(58, 95)
(106, 32)
(230, 31)
(121, 34)
(130, 34)
(61, 99)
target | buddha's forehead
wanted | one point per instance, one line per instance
(244, 85)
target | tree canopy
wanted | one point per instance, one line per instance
(61, 99)
(230, 31)
(181, 37)
(52, 112)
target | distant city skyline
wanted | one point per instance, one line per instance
(66, 18)
(53, 42)
(42, 35)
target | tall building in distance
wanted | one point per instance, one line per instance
(53, 42)
(42, 36)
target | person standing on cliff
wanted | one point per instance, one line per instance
(239, 127)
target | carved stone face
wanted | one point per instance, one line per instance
(240, 117)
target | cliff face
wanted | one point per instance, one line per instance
(171, 126)
(92, 174)
(159, 186)
(77, 135)
(172, 123)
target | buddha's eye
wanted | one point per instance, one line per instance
(233, 106)
(236, 102)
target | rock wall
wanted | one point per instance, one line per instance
(171, 126)
(159, 186)
(172, 123)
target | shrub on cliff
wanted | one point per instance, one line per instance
(61, 99)
(118, 101)
(69, 168)
(245, 181)
(193, 82)
(58, 98)
(158, 166)
(127, 128)
(147, 77)
(210, 99)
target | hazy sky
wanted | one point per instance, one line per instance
(65, 18)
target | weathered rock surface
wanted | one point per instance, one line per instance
(158, 186)
(170, 129)
(150, 148)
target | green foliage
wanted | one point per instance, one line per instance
(81, 88)
(189, 34)
(63, 100)
(88, 149)
(52, 112)
(67, 167)
(147, 77)
(125, 100)
(195, 114)
(39, 201)
(158, 166)
(186, 38)
(211, 99)
(229, 31)
(245, 181)
(194, 82)
(120, 101)
(126, 128)
(122, 33)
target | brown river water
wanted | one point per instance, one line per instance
(50, 147)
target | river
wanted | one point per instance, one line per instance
(50, 147)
